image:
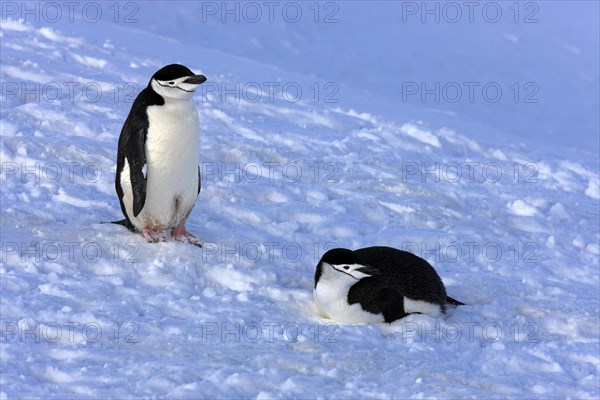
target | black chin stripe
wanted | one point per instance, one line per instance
(346, 273)
(175, 87)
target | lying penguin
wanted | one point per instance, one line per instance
(377, 284)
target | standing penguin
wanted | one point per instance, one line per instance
(158, 175)
(377, 284)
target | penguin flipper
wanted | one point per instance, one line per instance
(365, 292)
(132, 149)
(137, 168)
(378, 299)
(391, 303)
(139, 197)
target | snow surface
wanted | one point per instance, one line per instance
(502, 198)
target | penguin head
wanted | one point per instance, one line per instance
(176, 81)
(341, 263)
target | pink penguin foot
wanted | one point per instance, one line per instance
(180, 234)
(153, 235)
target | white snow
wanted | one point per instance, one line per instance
(420, 134)
(502, 198)
(520, 207)
(90, 61)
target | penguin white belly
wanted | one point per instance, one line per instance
(172, 158)
(332, 300)
(422, 307)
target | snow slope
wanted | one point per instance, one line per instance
(91, 310)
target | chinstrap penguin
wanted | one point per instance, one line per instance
(158, 175)
(377, 284)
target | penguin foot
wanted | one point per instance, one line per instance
(181, 234)
(153, 236)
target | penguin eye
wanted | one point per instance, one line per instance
(346, 267)
(171, 83)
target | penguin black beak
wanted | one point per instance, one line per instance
(367, 269)
(196, 80)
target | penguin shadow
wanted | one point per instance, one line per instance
(162, 238)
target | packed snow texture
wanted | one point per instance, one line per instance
(312, 137)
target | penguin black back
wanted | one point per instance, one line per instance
(411, 275)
